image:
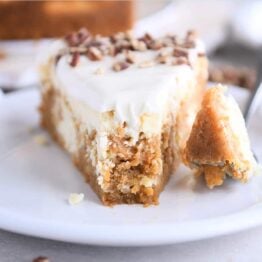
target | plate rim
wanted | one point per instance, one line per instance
(152, 234)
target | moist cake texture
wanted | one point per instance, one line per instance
(218, 145)
(123, 107)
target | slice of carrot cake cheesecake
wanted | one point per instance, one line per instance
(218, 145)
(123, 107)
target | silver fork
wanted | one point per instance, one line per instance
(254, 97)
(10, 89)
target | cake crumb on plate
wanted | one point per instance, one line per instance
(75, 198)
(40, 140)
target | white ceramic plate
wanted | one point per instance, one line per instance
(37, 180)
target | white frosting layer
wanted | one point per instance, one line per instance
(131, 93)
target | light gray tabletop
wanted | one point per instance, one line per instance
(244, 246)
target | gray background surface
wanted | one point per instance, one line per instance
(244, 246)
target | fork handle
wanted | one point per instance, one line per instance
(255, 93)
(10, 89)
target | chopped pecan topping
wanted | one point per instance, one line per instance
(122, 45)
(189, 44)
(130, 57)
(75, 59)
(128, 35)
(96, 47)
(162, 59)
(117, 37)
(79, 49)
(120, 66)
(138, 45)
(77, 38)
(168, 42)
(178, 51)
(104, 50)
(164, 52)
(141, 46)
(112, 39)
(180, 61)
(72, 39)
(83, 34)
(147, 39)
(191, 35)
(94, 43)
(94, 54)
(112, 50)
(173, 38)
(155, 45)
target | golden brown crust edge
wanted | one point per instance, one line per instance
(207, 149)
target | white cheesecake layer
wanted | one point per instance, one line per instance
(141, 97)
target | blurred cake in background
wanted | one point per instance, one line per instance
(37, 19)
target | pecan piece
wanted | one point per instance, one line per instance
(75, 59)
(83, 34)
(191, 35)
(130, 57)
(120, 66)
(71, 39)
(155, 45)
(178, 51)
(189, 44)
(138, 45)
(147, 39)
(94, 54)
(180, 61)
(77, 38)
(162, 58)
